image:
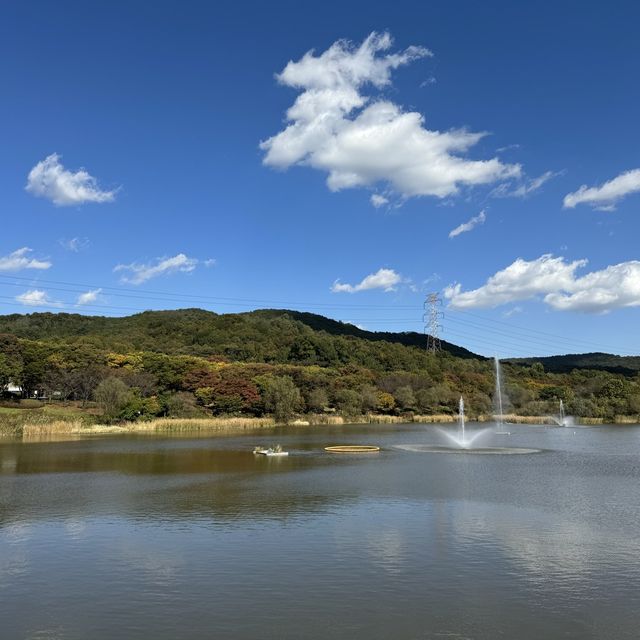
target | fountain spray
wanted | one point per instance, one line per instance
(498, 400)
(463, 439)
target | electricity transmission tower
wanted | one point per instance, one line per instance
(431, 318)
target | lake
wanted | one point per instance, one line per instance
(196, 537)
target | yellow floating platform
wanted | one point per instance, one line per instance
(352, 448)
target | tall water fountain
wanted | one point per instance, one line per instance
(463, 439)
(562, 419)
(497, 401)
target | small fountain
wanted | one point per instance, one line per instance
(562, 419)
(462, 442)
(499, 408)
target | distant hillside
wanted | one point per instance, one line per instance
(270, 336)
(626, 365)
(190, 362)
(336, 328)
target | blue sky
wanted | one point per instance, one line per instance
(200, 190)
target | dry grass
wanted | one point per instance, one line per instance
(196, 424)
(54, 427)
(438, 417)
(590, 421)
(40, 427)
(320, 418)
(514, 419)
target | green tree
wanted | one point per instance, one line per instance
(405, 398)
(9, 371)
(112, 395)
(281, 397)
(317, 400)
(348, 402)
(11, 362)
(369, 395)
(182, 405)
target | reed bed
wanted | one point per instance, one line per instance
(438, 417)
(39, 427)
(53, 427)
(321, 418)
(196, 424)
(590, 421)
(514, 419)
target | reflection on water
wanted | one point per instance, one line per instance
(161, 537)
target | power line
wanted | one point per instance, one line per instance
(561, 343)
(181, 297)
(544, 333)
(432, 324)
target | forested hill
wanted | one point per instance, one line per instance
(275, 336)
(336, 328)
(626, 365)
(194, 363)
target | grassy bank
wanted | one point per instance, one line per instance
(55, 422)
(13, 420)
(35, 425)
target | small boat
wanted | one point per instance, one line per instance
(270, 451)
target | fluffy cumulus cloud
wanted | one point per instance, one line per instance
(49, 179)
(137, 273)
(469, 225)
(37, 298)
(385, 279)
(361, 140)
(88, 297)
(21, 259)
(555, 280)
(615, 287)
(606, 196)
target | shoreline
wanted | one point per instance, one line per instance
(66, 429)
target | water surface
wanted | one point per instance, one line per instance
(195, 537)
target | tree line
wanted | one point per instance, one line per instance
(98, 366)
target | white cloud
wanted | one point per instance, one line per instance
(525, 187)
(361, 141)
(74, 244)
(139, 273)
(211, 262)
(467, 226)
(428, 81)
(519, 281)
(37, 298)
(49, 179)
(606, 196)
(378, 201)
(20, 259)
(385, 279)
(555, 279)
(614, 287)
(512, 312)
(509, 147)
(88, 297)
